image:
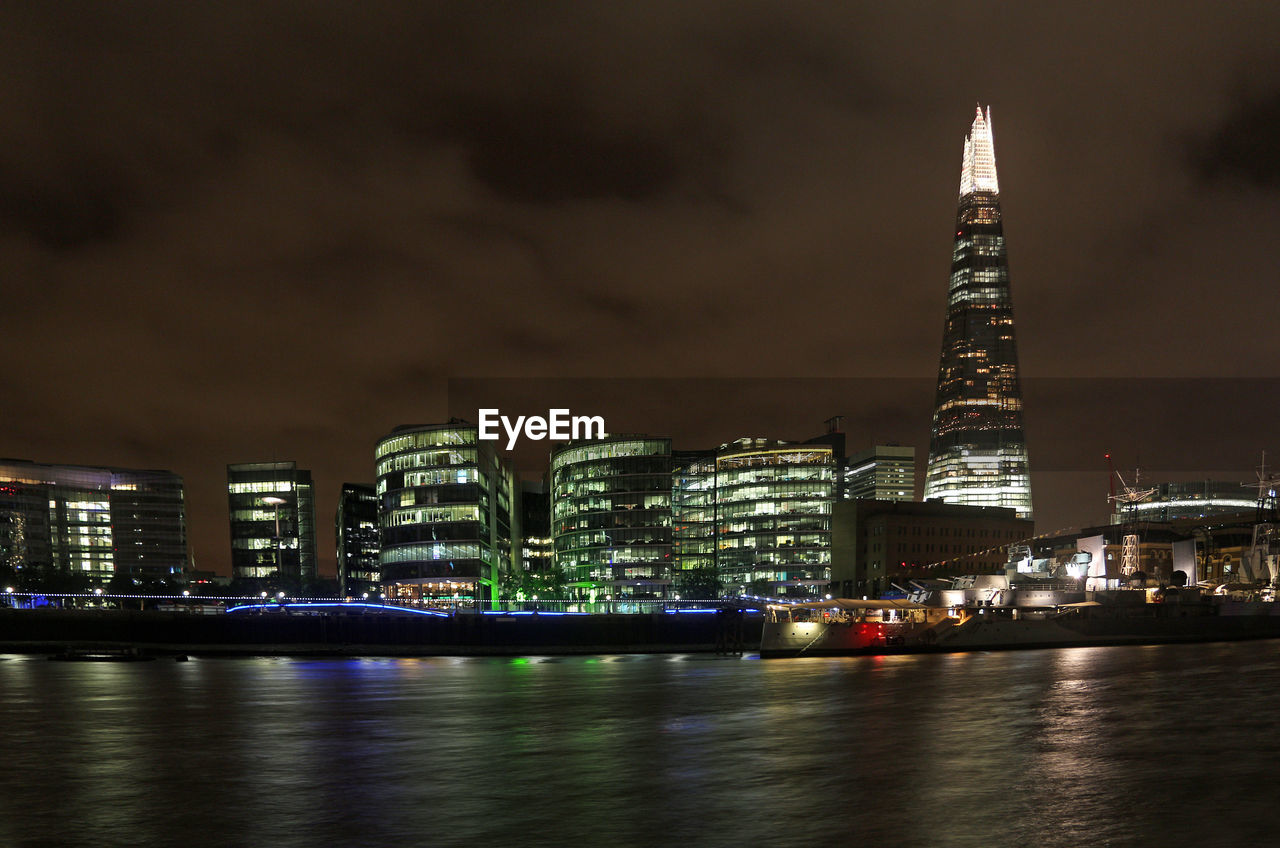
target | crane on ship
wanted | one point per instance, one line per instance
(1126, 503)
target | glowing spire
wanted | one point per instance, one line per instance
(979, 170)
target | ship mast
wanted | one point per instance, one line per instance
(1127, 502)
(1260, 562)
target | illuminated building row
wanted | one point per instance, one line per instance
(632, 518)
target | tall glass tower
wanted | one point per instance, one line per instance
(978, 450)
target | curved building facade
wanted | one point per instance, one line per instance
(611, 515)
(444, 513)
(773, 516)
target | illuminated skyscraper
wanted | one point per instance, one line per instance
(978, 450)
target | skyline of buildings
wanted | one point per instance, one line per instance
(753, 516)
(611, 533)
(978, 446)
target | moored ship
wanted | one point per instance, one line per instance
(991, 613)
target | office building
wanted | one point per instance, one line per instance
(445, 501)
(93, 521)
(356, 529)
(773, 505)
(978, 449)
(611, 516)
(883, 473)
(273, 523)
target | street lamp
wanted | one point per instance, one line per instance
(272, 500)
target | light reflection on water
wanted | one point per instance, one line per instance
(1102, 746)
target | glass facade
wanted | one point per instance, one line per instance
(632, 518)
(773, 505)
(444, 513)
(356, 526)
(273, 521)
(693, 524)
(148, 519)
(611, 515)
(978, 449)
(99, 522)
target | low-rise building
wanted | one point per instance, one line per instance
(875, 542)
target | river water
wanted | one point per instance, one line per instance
(1171, 745)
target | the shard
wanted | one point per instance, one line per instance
(978, 449)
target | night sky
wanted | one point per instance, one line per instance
(246, 232)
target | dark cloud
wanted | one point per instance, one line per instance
(85, 205)
(535, 154)
(1245, 147)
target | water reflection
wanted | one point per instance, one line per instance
(1098, 745)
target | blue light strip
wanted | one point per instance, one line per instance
(303, 605)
